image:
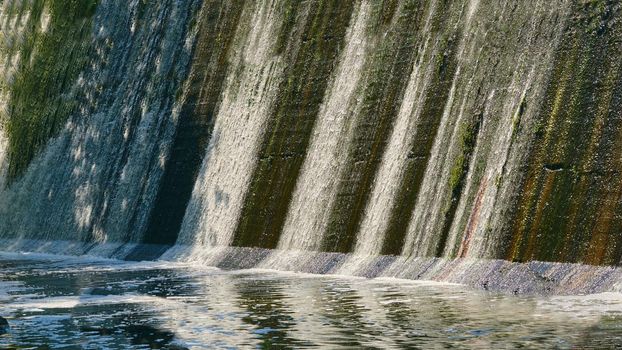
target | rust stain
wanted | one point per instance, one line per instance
(524, 209)
(603, 222)
(534, 185)
(474, 218)
(601, 237)
(547, 189)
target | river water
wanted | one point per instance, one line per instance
(78, 303)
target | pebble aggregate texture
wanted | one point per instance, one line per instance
(455, 129)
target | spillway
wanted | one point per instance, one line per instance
(469, 141)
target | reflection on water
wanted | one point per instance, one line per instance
(90, 304)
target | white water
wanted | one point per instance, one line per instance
(97, 179)
(384, 192)
(418, 237)
(309, 210)
(232, 153)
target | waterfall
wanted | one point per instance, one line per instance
(356, 137)
(386, 187)
(497, 117)
(232, 153)
(314, 195)
(95, 179)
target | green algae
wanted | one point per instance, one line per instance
(566, 192)
(388, 73)
(289, 24)
(41, 96)
(434, 104)
(291, 123)
(468, 138)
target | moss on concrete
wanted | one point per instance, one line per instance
(388, 72)
(289, 128)
(41, 97)
(566, 211)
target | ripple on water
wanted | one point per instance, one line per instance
(119, 305)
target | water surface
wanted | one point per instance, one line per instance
(78, 303)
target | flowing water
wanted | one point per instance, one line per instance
(71, 303)
(462, 129)
(474, 142)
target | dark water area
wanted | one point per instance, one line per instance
(78, 303)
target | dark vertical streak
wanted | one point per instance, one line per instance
(419, 156)
(382, 97)
(290, 126)
(196, 120)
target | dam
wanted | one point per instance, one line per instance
(469, 142)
